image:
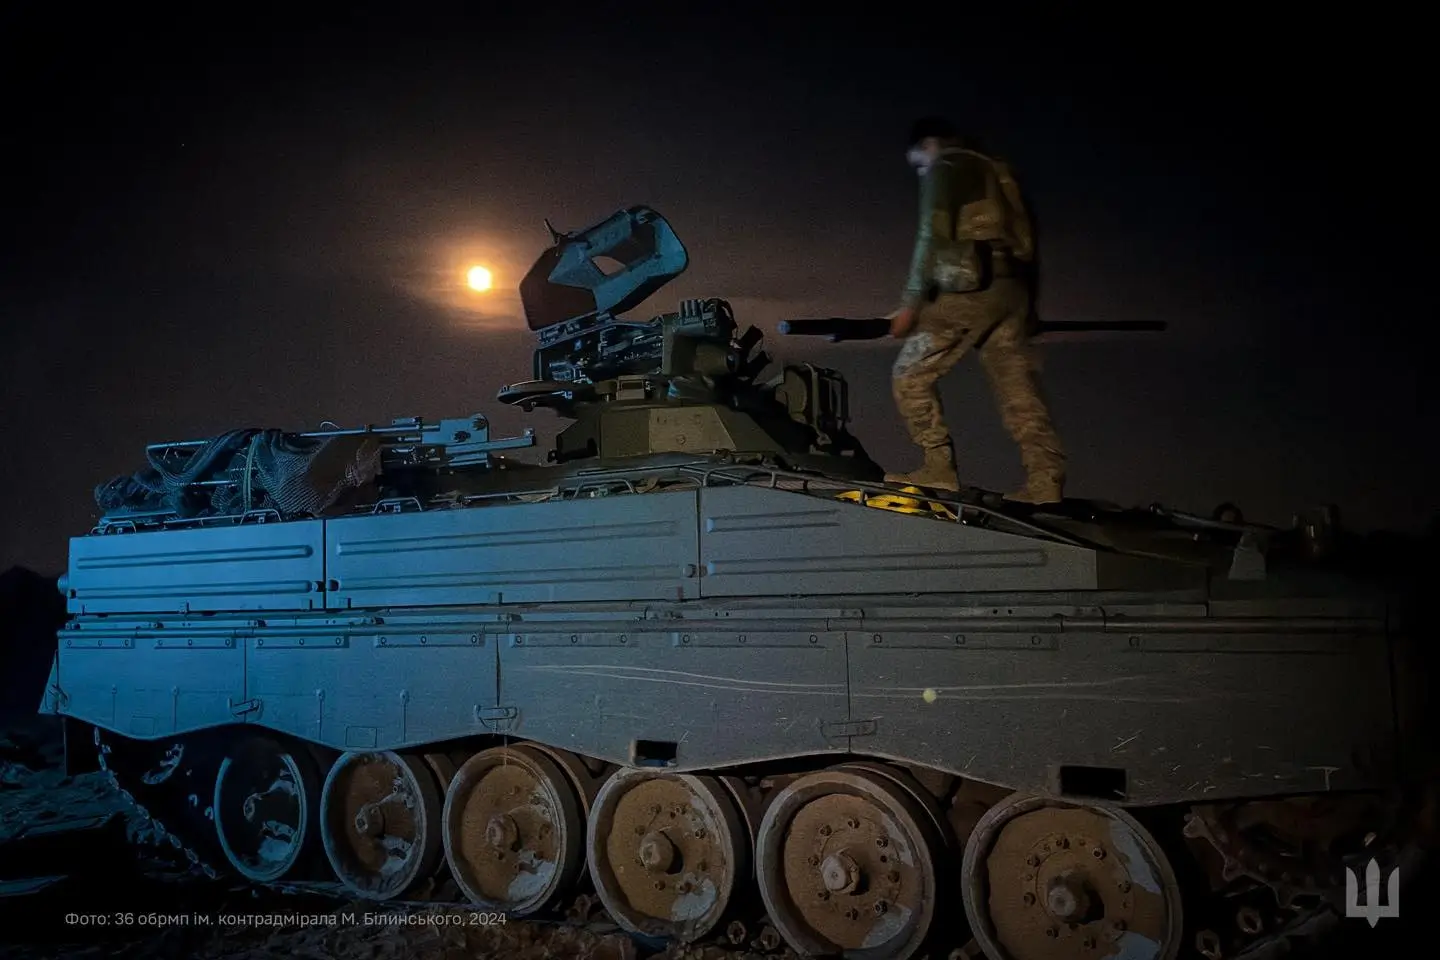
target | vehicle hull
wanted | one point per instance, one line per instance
(718, 628)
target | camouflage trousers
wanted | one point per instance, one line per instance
(993, 322)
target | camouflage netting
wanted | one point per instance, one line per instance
(293, 474)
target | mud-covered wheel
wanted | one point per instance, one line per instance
(667, 852)
(1049, 880)
(846, 863)
(380, 823)
(266, 803)
(514, 830)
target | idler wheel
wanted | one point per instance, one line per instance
(266, 804)
(846, 861)
(514, 830)
(1049, 880)
(667, 852)
(380, 823)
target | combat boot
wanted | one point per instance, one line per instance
(1041, 489)
(938, 473)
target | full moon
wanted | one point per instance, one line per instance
(479, 278)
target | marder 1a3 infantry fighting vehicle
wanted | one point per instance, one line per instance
(705, 664)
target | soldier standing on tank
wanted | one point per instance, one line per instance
(970, 288)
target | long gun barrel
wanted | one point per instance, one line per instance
(837, 329)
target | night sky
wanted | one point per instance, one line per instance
(235, 221)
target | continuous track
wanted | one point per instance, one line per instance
(856, 855)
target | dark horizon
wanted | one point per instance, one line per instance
(268, 224)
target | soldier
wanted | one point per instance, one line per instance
(970, 288)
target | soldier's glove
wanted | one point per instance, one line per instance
(902, 321)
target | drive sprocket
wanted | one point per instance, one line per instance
(1298, 847)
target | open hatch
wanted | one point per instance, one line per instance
(605, 269)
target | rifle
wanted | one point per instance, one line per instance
(838, 329)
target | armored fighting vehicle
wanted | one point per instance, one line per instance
(704, 668)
